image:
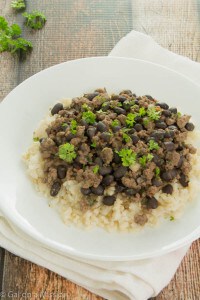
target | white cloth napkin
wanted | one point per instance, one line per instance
(136, 280)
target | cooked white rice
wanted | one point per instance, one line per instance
(114, 217)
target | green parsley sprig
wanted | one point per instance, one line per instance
(35, 19)
(10, 39)
(153, 145)
(157, 172)
(96, 169)
(145, 158)
(130, 119)
(67, 152)
(89, 117)
(115, 123)
(18, 4)
(128, 157)
(126, 137)
(153, 114)
(73, 127)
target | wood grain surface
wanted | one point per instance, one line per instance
(81, 28)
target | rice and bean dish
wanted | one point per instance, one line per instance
(117, 161)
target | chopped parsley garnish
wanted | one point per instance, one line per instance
(89, 117)
(178, 114)
(142, 112)
(66, 152)
(126, 137)
(73, 127)
(10, 39)
(157, 172)
(96, 169)
(153, 114)
(130, 119)
(146, 121)
(64, 125)
(85, 106)
(104, 104)
(100, 111)
(153, 145)
(36, 139)
(18, 4)
(115, 123)
(172, 218)
(119, 104)
(144, 159)
(94, 144)
(128, 157)
(34, 20)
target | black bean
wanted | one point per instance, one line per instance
(105, 136)
(55, 188)
(183, 180)
(189, 126)
(161, 125)
(98, 161)
(169, 175)
(149, 97)
(109, 200)
(167, 189)
(69, 137)
(98, 190)
(134, 138)
(122, 98)
(84, 123)
(179, 148)
(91, 95)
(86, 191)
(119, 110)
(120, 172)
(173, 127)
(166, 113)
(119, 188)
(173, 110)
(57, 108)
(136, 101)
(126, 92)
(157, 182)
(41, 140)
(181, 160)
(162, 105)
(152, 203)
(169, 146)
(138, 119)
(105, 170)
(116, 128)
(169, 134)
(157, 160)
(61, 171)
(105, 106)
(131, 131)
(130, 192)
(138, 127)
(158, 135)
(101, 126)
(107, 180)
(114, 97)
(91, 131)
(116, 158)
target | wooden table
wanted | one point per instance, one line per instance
(80, 28)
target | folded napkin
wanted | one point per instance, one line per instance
(136, 280)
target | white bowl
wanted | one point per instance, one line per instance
(27, 104)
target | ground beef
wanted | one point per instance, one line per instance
(182, 121)
(107, 155)
(48, 147)
(52, 176)
(88, 178)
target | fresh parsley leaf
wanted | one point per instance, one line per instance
(35, 20)
(126, 137)
(128, 157)
(94, 144)
(64, 125)
(89, 117)
(85, 107)
(142, 112)
(172, 218)
(144, 159)
(10, 39)
(178, 114)
(153, 145)
(119, 104)
(157, 172)
(115, 123)
(96, 169)
(153, 114)
(130, 119)
(66, 152)
(146, 121)
(73, 127)
(18, 4)
(36, 139)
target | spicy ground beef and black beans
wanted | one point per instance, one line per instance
(135, 144)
